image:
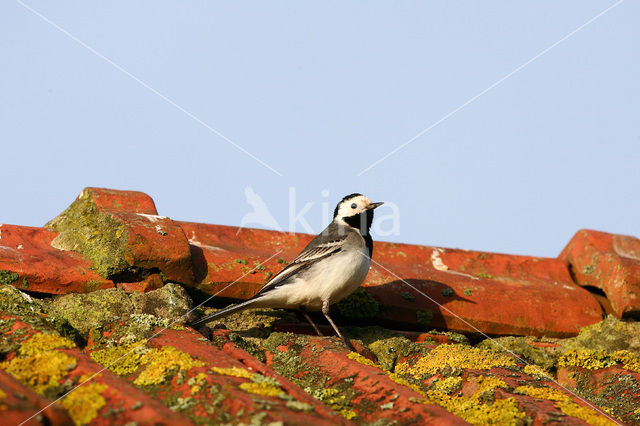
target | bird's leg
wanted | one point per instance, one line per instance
(308, 318)
(325, 311)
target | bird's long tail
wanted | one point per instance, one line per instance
(223, 313)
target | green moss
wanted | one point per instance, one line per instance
(279, 339)
(454, 337)
(95, 234)
(135, 314)
(170, 302)
(467, 292)
(337, 394)
(389, 350)
(407, 296)
(617, 395)
(424, 318)
(386, 345)
(91, 310)
(546, 358)
(610, 334)
(359, 304)
(13, 301)
(7, 277)
(252, 348)
(485, 276)
(242, 261)
(447, 292)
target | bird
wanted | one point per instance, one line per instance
(328, 269)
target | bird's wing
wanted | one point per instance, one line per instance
(311, 254)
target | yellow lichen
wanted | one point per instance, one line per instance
(472, 409)
(594, 360)
(160, 363)
(197, 382)
(487, 383)
(3, 394)
(502, 411)
(41, 370)
(629, 360)
(233, 371)
(347, 414)
(542, 393)
(263, 388)
(399, 380)
(84, 402)
(454, 356)
(335, 401)
(362, 360)
(536, 371)
(44, 342)
(448, 385)
(589, 359)
(565, 404)
(122, 360)
(588, 415)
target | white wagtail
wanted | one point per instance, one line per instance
(328, 269)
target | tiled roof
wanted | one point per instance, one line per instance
(93, 310)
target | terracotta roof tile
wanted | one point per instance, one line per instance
(419, 324)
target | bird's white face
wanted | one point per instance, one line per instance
(354, 206)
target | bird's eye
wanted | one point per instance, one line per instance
(354, 205)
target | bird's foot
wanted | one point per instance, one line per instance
(349, 346)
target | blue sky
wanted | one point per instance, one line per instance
(319, 91)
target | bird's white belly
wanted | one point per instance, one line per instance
(330, 280)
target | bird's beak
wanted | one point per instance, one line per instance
(374, 205)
